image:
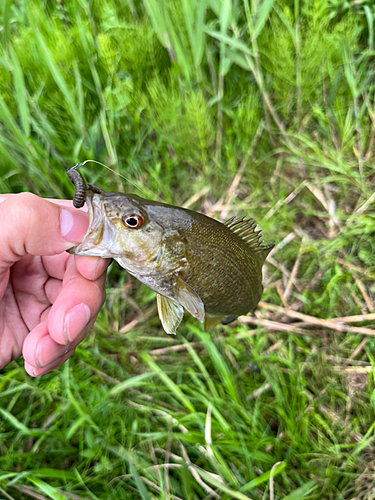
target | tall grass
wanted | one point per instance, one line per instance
(257, 107)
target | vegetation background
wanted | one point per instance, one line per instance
(229, 107)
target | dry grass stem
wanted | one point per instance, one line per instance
(365, 206)
(166, 462)
(195, 474)
(293, 274)
(237, 178)
(179, 347)
(271, 479)
(32, 492)
(354, 369)
(354, 319)
(351, 266)
(6, 495)
(281, 292)
(358, 349)
(362, 289)
(285, 201)
(255, 394)
(275, 326)
(318, 321)
(278, 266)
(157, 488)
(29, 491)
(348, 361)
(197, 196)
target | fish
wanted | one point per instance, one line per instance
(195, 263)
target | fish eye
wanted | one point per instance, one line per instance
(134, 221)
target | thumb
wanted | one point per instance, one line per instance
(34, 226)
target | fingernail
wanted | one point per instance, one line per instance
(75, 321)
(46, 351)
(74, 224)
(30, 369)
(95, 269)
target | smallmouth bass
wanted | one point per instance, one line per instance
(193, 262)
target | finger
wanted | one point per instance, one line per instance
(40, 350)
(52, 289)
(65, 203)
(91, 267)
(31, 225)
(37, 372)
(77, 304)
(55, 265)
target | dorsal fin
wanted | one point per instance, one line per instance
(245, 229)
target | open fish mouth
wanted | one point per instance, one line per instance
(99, 236)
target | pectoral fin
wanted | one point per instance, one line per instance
(189, 299)
(170, 313)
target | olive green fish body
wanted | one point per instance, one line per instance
(224, 271)
(193, 262)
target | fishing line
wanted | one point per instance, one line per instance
(78, 165)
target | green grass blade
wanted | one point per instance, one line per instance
(370, 24)
(225, 14)
(199, 38)
(231, 42)
(15, 423)
(79, 92)
(262, 478)
(21, 94)
(169, 383)
(47, 489)
(157, 17)
(262, 15)
(136, 381)
(6, 15)
(138, 481)
(302, 491)
(58, 77)
(220, 365)
(202, 368)
(188, 8)
(8, 120)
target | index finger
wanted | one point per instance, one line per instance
(63, 203)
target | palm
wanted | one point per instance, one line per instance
(31, 288)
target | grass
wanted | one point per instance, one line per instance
(257, 107)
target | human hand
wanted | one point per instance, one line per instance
(49, 299)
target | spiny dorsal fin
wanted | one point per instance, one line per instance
(245, 229)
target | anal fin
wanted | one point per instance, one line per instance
(170, 313)
(210, 322)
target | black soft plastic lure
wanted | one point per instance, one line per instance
(80, 186)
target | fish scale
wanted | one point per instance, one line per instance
(225, 278)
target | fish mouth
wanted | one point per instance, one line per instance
(99, 236)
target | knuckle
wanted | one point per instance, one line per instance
(24, 207)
